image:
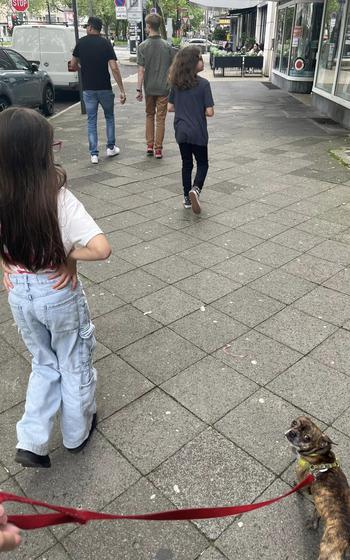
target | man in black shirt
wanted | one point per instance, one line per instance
(95, 55)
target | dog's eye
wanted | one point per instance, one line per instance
(294, 423)
(307, 438)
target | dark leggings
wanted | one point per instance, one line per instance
(201, 154)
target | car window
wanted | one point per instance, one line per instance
(5, 63)
(18, 60)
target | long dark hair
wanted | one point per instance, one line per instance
(183, 71)
(29, 186)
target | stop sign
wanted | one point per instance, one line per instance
(20, 5)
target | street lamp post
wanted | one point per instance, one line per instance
(76, 31)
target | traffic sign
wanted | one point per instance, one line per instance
(120, 3)
(20, 5)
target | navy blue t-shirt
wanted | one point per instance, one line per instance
(190, 122)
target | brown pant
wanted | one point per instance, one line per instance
(156, 110)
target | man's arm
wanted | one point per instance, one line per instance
(74, 64)
(171, 108)
(118, 78)
(140, 80)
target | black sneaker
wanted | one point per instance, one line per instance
(187, 202)
(82, 445)
(29, 459)
(194, 198)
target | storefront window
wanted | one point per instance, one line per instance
(305, 38)
(287, 34)
(279, 37)
(343, 87)
(330, 44)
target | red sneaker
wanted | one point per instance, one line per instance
(149, 151)
(158, 153)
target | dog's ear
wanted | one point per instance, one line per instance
(325, 441)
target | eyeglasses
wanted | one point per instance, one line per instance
(56, 146)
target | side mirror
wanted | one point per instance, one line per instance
(34, 66)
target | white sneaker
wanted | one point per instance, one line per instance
(112, 151)
(94, 159)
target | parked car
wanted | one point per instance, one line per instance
(203, 44)
(52, 46)
(22, 83)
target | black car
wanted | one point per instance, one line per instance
(23, 84)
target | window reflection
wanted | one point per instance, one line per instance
(330, 44)
(343, 87)
(305, 38)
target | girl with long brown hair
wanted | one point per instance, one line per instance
(192, 101)
(44, 231)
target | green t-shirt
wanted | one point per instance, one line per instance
(156, 56)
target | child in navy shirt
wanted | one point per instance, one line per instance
(192, 101)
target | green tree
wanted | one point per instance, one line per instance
(172, 9)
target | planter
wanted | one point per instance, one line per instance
(232, 62)
(253, 63)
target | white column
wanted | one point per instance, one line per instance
(269, 36)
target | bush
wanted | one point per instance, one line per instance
(219, 34)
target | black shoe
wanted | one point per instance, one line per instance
(29, 459)
(82, 445)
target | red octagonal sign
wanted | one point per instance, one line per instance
(20, 5)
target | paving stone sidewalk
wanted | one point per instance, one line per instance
(213, 333)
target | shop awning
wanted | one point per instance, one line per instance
(227, 4)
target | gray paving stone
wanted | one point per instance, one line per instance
(14, 374)
(209, 389)
(120, 221)
(207, 286)
(211, 553)
(211, 470)
(307, 385)
(111, 328)
(4, 474)
(258, 357)
(241, 270)
(316, 226)
(5, 310)
(298, 239)
(141, 539)
(265, 536)
(271, 254)
(133, 285)
(143, 253)
(326, 304)
(171, 269)
(6, 351)
(57, 552)
(100, 351)
(244, 214)
(312, 268)
(118, 385)
(332, 251)
(120, 239)
(342, 423)
(98, 271)
(264, 228)
(248, 306)
(176, 241)
(288, 217)
(296, 329)
(148, 230)
(151, 429)
(206, 254)
(161, 355)
(340, 281)
(179, 220)
(236, 241)
(258, 425)
(335, 351)
(208, 329)
(282, 286)
(168, 304)
(206, 230)
(101, 301)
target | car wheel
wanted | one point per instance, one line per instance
(48, 105)
(4, 103)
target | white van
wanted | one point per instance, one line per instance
(52, 47)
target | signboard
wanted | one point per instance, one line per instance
(299, 64)
(120, 9)
(135, 10)
(20, 5)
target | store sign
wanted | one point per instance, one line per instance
(299, 64)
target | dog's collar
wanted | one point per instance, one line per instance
(316, 469)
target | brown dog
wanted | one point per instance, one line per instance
(330, 491)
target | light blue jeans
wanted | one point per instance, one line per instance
(92, 98)
(56, 328)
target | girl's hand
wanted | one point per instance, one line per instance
(9, 534)
(66, 273)
(6, 276)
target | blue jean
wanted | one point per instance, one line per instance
(56, 328)
(92, 98)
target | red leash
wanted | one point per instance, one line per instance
(73, 515)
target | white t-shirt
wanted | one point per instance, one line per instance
(76, 225)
